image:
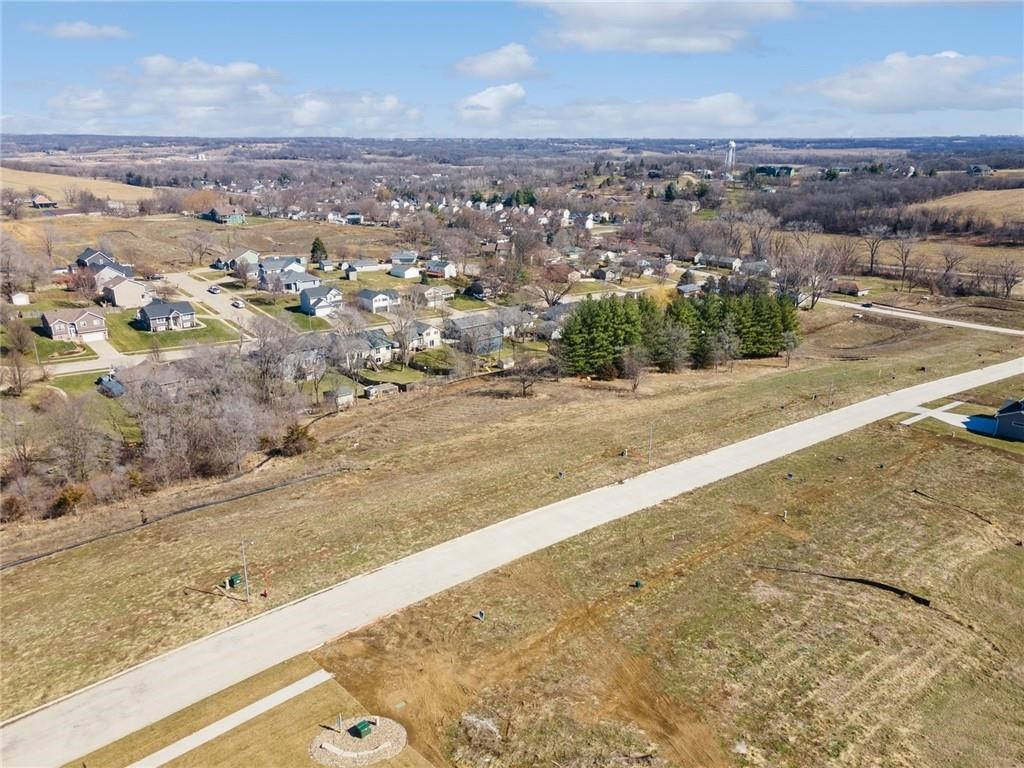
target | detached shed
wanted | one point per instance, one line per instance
(378, 391)
(342, 397)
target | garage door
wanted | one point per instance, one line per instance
(93, 336)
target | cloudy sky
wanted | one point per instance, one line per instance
(513, 69)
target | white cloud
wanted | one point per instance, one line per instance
(83, 30)
(491, 104)
(167, 96)
(904, 83)
(665, 26)
(512, 60)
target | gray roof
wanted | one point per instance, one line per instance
(278, 263)
(69, 315)
(369, 293)
(319, 292)
(160, 308)
(376, 338)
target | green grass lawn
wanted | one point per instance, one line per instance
(111, 416)
(394, 374)
(51, 351)
(210, 274)
(378, 281)
(127, 338)
(76, 383)
(286, 309)
(597, 286)
(466, 303)
(439, 359)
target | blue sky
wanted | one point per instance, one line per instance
(525, 69)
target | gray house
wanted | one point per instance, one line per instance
(160, 315)
(475, 334)
(1010, 420)
(319, 301)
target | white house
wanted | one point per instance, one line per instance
(427, 336)
(373, 301)
(320, 300)
(405, 271)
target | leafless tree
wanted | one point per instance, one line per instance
(845, 251)
(873, 237)
(404, 327)
(820, 269)
(271, 345)
(759, 225)
(78, 445)
(634, 366)
(243, 272)
(1009, 274)
(10, 203)
(48, 240)
(83, 282)
(729, 226)
(197, 246)
(71, 194)
(904, 245)
(20, 350)
(552, 281)
(952, 258)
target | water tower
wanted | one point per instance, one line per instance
(730, 157)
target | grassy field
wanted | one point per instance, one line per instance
(999, 205)
(126, 338)
(718, 649)
(162, 239)
(465, 303)
(53, 185)
(395, 374)
(286, 309)
(502, 454)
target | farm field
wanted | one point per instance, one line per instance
(931, 250)
(501, 454)
(999, 205)
(53, 185)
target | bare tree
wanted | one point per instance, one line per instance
(759, 225)
(820, 271)
(634, 366)
(404, 327)
(845, 251)
(904, 243)
(10, 203)
(198, 246)
(20, 349)
(952, 258)
(83, 282)
(873, 237)
(730, 230)
(71, 194)
(78, 445)
(48, 239)
(1010, 274)
(552, 281)
(243, 272)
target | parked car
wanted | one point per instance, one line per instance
(237, 303)
(214, 289)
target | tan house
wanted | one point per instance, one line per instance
(125, 292)
(83, 325)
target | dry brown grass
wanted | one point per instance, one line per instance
(161, 239)
(53, 185)
(999, 205)
(714, 649)
(422, 470)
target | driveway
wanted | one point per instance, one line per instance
(92, 717)
(196, 290)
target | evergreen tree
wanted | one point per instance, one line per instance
(670, 192)
(318, 251)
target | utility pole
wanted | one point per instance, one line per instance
(245, 571)
(650, 447)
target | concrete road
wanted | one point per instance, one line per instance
(921, 317)
(92, 717)
(198, 290)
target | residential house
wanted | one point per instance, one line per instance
(126, 292)
(325, 265)
(166, 379)
(320, 300)
(160, 315)
(380, 391)
(288, 272)
(405, 257)
(441, 269)
(689, 289)
(353, 217)
(980, 170)
(431, 296)
(109, 386)
(374, 301)
(849, 288)
(426, 336)
(353, 268)
(478, 333)
(606, 273)
(225, 214)
(723, 262)
(107, 274)
(405, 271)
(480, 290)
(758, 269)
(1010, 420)
(83, 325)
(42, 201)
(236, 255)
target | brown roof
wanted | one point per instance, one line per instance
(67, 315)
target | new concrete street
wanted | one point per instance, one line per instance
(920, 317)
(92, 717)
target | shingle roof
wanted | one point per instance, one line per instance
(160, 308)
(67, 315)
(369, 293)
(319, 292)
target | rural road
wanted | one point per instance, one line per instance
(109, 710)
(921, 317)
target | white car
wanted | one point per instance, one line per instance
(214, 289)
(237, 303)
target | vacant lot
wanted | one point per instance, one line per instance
(734, 642)
(998, 205)
(53, 185)
(161, 240)
(403, 475)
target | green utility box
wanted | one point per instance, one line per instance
(361, 729)
(234, 580)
